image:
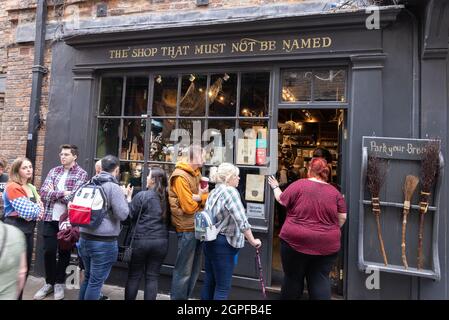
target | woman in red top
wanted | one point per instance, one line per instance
(310, 236)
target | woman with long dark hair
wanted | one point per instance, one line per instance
(150, 244)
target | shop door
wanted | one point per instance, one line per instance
(304, 133)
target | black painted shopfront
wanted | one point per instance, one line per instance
(299, 83)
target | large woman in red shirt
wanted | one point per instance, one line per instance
(310, 236)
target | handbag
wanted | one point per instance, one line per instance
(68, 235)
(125, 252)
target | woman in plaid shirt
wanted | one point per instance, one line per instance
(229, 213)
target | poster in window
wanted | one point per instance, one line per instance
(255, 187)
(246, 151)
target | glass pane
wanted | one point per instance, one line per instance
(242, 184)
(329, 85)
(165, 95)
(219, 146)
(111, 97)
(131, 173)
(136, 96)
(194, 128)
(133, 139)
(224, 103)
(255, 93)
(168, 168)
(296, 86)
(107, 137)
(252, 143)
(161, 148)
(193, 95)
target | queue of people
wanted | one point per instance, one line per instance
(310, 236)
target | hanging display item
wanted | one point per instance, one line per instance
(261, 150)
(410, 184)
(246, 151)
(255, 187)
(429, 172)
(376, 173)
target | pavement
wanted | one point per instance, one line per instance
(33, 284)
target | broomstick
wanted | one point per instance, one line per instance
(376, 173)
(429, 171)
(409, 188)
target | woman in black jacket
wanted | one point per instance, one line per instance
(151, 239)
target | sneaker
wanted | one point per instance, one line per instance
(43, 292)
(103, 297)
(59, 291)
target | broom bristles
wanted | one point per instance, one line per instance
(411, 182)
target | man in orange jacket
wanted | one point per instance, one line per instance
(186, 197)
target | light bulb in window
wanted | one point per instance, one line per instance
(192, 77)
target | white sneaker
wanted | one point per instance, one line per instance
(43, 292)
(59, 291)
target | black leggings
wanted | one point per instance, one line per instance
(146, 260)
(315, 269)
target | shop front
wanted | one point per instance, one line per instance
(262, 95)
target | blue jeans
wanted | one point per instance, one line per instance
(187, 266)
(98, 258)
(220, 261)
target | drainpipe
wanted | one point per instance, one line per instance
(38, 70)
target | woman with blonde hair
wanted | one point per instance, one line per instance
(22, 203)
(228, 213)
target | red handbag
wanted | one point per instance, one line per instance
(68, 235)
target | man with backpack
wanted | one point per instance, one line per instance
(57, 190)
(186, 198)
(98, 246)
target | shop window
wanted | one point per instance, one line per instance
(224, 102)
(165, 95)
(193, 131)
(193, 95)
(133, 134)
(161, 148)
(330, 85)
(313, 85)
(136, 98)
(108, 137)
(220, 142)
(254, 95)
(296, 86)
(131, 173)
(253, 135)
(111, 97)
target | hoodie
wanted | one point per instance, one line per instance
(184, 182)
(118, 210)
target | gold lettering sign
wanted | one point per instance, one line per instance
(243, 46)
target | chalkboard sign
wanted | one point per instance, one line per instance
(403, 157)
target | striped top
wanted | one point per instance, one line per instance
(229, 211)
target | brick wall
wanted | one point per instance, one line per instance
(17, 59)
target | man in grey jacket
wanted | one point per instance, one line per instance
(98, 247)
